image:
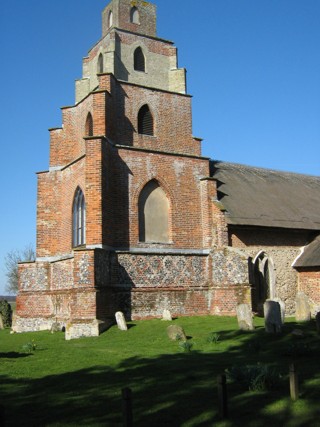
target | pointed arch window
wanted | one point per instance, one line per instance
(139, 60)
(145, 121)
(110, 19)
(153, 214)
(100, 64)
(89, 125)
(78, 219)
(134, 16)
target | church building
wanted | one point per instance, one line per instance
(131, 217)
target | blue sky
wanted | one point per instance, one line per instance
(253, 70)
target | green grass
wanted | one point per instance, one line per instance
(79, 382)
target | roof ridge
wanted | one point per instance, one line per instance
(264, 169)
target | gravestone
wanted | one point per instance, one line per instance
(318, 321)
(55, 327)
(282, 308)
(166, 315)
(121, 321)
(176, 333)
(244, 316)
(272, 316)
(303, 312)
(14, 322)
(1, 322)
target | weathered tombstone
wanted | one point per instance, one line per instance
(55, 327)
(1, 322)
(318, 321)
(244, 316)
(282, 308)
(176, 333)
(68, 331)
(121, 321)
(272, 316)
(303, 312)
(166, 315)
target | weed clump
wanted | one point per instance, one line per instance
(213, 338)
(257, 377)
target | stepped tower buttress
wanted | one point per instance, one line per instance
(123, 213)
(128, 25)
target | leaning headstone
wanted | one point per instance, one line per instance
(1, 322)
(303, 312)
(282, 308)
(318, 321)
(272, 316)
(166, 315)
(176, 333)
(244, 316)
(121, 321)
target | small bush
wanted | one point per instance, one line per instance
(186, 346)
(29, 347)
(6, 313)
(213, 337)
(255, 377)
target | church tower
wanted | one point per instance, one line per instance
(123, 210)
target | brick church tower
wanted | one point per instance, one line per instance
(124, 213)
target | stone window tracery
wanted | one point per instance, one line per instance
(78, 219)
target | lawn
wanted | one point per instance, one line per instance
(79, 382)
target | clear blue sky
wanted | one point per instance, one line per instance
(253, 70)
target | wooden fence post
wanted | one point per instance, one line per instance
(222, 396)
(294, 384)
(127, 407)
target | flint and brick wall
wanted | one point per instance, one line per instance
(282, 247)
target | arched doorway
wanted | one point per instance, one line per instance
(263, 282)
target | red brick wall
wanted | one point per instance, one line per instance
(121, 12)
(171, 114)
(67, 144)
(309, 283)
(56, 191)
(225, 299)
(179, 177)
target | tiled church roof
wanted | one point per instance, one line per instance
(268, 198)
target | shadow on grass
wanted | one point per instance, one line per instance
(13, 355)
(174, 390)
